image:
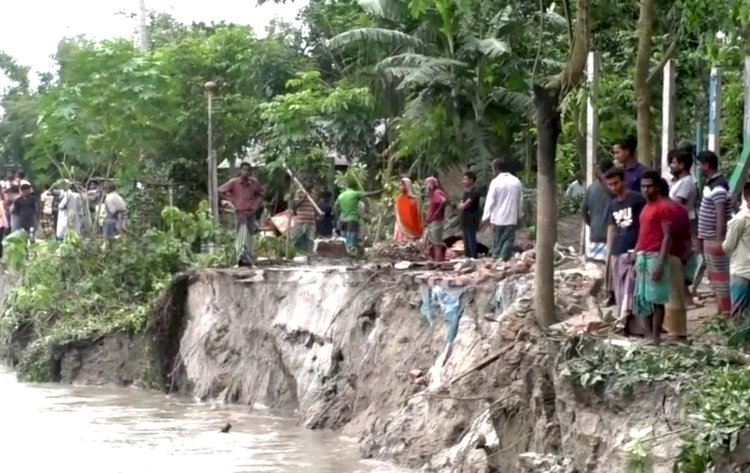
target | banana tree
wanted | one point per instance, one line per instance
(453, 62)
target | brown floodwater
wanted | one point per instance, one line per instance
(54, 427)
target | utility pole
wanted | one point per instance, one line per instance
(210, 89)
(143, 43)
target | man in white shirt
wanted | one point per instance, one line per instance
(683, 189)
(115, 209)
(737, 246)
(504, 210)
(576, 189)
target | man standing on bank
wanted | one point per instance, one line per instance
(714, 213)
(470, 215)
(595, 216)
(685, 193)
(624, 213)
(652, 269)
(737, 246)
(245, 194)
(504, 210)
(623, 151)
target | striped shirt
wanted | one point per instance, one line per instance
(306, 213)
(716, 192)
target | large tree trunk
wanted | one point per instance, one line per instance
(547, 100)
(548, 129)
(640, 83)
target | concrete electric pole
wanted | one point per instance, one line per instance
(143, 42)
(210, 89)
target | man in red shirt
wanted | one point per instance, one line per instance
(245, 194)
(652, 257)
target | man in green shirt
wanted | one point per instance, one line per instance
(347, 211)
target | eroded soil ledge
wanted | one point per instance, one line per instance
(352, 350)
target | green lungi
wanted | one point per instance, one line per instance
(649, 293)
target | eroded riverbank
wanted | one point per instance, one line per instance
(436, 370)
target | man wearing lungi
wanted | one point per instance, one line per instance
(652, 268)
(675, 310)
(623, 212)
(245, 194)
(713, 214)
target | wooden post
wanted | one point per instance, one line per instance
(714, 110)
(667, 116)
(698, 148)
(592, 132)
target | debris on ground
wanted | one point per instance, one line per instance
(532, 462)
(330, 248)
(395, 251)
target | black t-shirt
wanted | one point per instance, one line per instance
(624, 215)
(24, 208)
(325, 221)
(470, 216)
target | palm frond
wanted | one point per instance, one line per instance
(416, 60)
(427, 76)
(419, 69)
(491, 47)
(555, 20)
(502, 20)
(395, 10)
(516, 102)
(548, 63)
(374, 35)
(481, 141)
(418, 106)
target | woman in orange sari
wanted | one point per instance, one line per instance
(408, 214)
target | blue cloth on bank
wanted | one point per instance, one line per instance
(448, 300)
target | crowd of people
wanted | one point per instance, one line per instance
(647, 231)
(60, 209)
(650, 231)
(502, 209)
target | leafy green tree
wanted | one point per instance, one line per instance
(307, 127)
(453, 62)
(109, 104)
(19, 107)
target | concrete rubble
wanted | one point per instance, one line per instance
(531, 462)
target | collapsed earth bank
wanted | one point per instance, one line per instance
(443, 371)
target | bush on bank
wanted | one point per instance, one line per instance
(81, 288)
(715, 392)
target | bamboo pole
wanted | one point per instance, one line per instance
(302, 188)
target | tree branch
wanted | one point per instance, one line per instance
(566, 9)
(668, 54)
(541, 41)
(571, 75)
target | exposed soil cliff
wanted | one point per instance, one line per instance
(353, 350)
(359, 351)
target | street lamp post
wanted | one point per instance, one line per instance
(210, 89)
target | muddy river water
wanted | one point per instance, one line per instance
(123, 430)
